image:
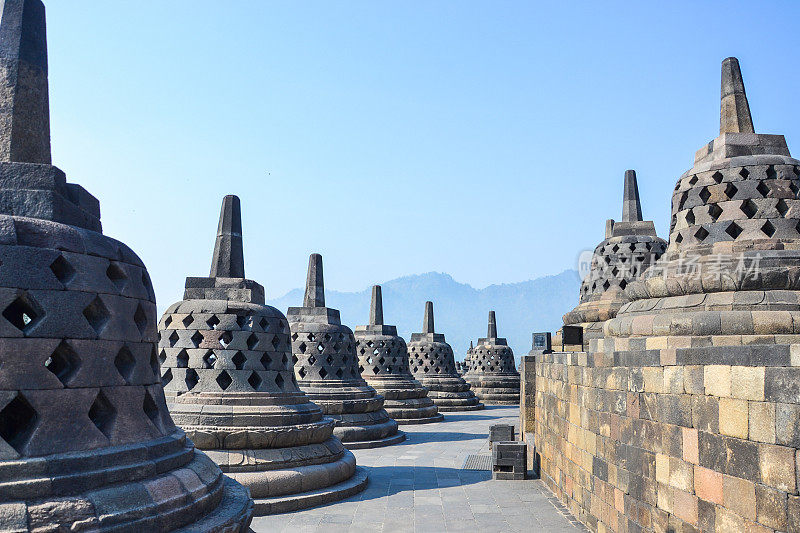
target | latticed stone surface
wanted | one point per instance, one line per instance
(327, 370)
(696, 378)
(493, 370)
(229, 379)
(631, 246)
(86, 441)
(383, 363)
(432, 363)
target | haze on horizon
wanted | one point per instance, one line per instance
(486, 140)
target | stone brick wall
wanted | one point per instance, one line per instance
(527, 404)
(648, 435)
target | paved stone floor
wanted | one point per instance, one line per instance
(418, 486)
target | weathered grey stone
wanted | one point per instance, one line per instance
(327, 369)
(84, 426)
(493, 374)
(383, 363)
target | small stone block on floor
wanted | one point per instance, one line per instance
(501, 433)
(509, 460)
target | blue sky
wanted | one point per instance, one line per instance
(485, 139)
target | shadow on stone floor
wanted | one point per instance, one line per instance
(418, 437)
(461, 417)
(389, 480)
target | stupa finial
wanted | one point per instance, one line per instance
(492, 333)
(427, 323)
(24, 101)
(734, 116)
(228, 260)
(315, 284)
(376, 307)
(631, 206)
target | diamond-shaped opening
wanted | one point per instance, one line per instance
(279, 381)
(730, 191)
(242, 320)
(252, 340)
(117, 276)
(717, 177)
(320, 348)
(690, 217)
(224, 380)
(173, 338)
(209, 359)
(762, 188)
(768, 229)
(794, 187)
(150, 408)
(701, 234)
(167, 322)
(744, 173)
(294, 359)
(312, 360)
(254, 380)
(340, 373)
(97, 315)
(375, 369)
(191, 378)
(239, 360)
(337, 346)
(213, 322)
(329, 360)
(263, 323)
(782, 207)
(167, 377)
(323, 373)
(623, 284)
(771, 174)
(693, 180)
(62, 270)
(302, 372)
(102, 414)
(187, 321)
(302, 347)
(705, 194)
(749, 208)
(734, 230)
(275, 342)
(225, 339)
(162, 356)
(23, 313)
(284, 360)
(327, 337)
(125, 363)
(714, 211)
(196, 339)
(294, 336)
(183, 359)
(684, 197)
(63, 362)
(140, 319)
(606, 285)
(266, 360)
(615, 248)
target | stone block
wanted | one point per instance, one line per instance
(708, 485)
(782, 385)
(693, 379)
(777, 465)
(747, 382)
(762, 422)
(684, 506)
(787, 424)
(739, 495)
(501, 433)
(771, 507)
(509, 460)
(733, 417)
(691, 451)
(717, 380)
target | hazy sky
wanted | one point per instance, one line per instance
(484, 139)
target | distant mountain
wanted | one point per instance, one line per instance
(460, 310)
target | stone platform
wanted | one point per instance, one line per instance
(419, 486)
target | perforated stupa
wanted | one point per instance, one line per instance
(433, 364)
(493, 370)
(230, 385)
(383, 362)
(630, 247)
(86, 441)
(326, 367)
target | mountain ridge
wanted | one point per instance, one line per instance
(460, 310)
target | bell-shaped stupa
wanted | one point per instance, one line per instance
(630, 247)
(230, 385)
(433, 364)
(326, 367)
(462, 367)
(383, 362)
(86, 441)
(493, 370)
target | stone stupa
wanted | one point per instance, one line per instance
(462, 367)
(326, 367)
(493, 371)
(86, 441)
(383, 360)
(433, 364)
(630, 247)
(230, 385)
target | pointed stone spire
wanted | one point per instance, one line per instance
(315, 285)
(228, 260)
(376, 307)
(471, 346)
(24, 102)
(427, 322)
(631, 206)
(492, 333)
(734, 116)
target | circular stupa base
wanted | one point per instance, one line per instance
(378, 443)
(232, 515)
(452, 408)
(313, 498)
(428, 420)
